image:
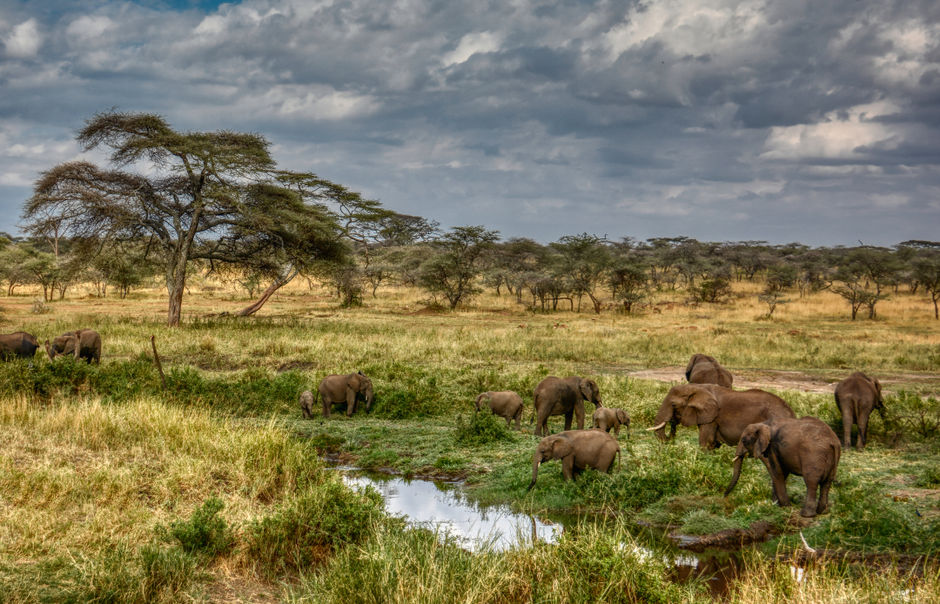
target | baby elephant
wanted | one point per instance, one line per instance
(806, 447)
(856, 397)
(504, 403)
(81, 343)
(307, 401)
(347, 389)
(577, 449)
(606, 418)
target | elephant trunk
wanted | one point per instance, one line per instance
(663, 416)
(49, 350)
(370, 398)
(535, 470)
(738, 460)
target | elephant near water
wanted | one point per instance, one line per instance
(81, 343)
(606, 418)
(563, 396)
(577, 450)
(504, 403)
(721, 414)
(806, 447)
(856, 397)
(703, 369)
(349, 389)
(19, 345)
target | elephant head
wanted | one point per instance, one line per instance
(755, 440)
(590, 392)
(696, 359)
(688, 404)
(360, 384)
(624, 419)
(549, 448)
(879, 400)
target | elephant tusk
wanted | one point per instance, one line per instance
(656, 427)
(736, 458)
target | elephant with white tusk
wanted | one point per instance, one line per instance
(563, 396)
(349, 388)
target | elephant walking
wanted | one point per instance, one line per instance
(577, 450)
(703, 369)
(504, 403)
(856, 397)
(19, 344)
(806, 447)
(721, 414)
(347, 389)
(606, 418)
(81, 343)
(563, 396)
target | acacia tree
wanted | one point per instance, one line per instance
(212, 196)
(452, 270)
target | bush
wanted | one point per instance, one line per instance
(166, 573)
(914, 417)
(204, 533)
(482, 428)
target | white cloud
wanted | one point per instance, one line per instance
(88, 29)
(24, 40)
(470, 45)
(318, 102)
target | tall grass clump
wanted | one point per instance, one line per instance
(204, 533)
(480, 429)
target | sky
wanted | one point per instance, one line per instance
(777, 120)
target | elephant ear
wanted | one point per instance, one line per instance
(561, 448)
(354, 381)
(622, 416)
(589, 389)
(700, 408)
(762, 442)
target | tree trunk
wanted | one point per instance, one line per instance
(278, 283)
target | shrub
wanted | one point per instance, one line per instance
(480, 429)
(204, 533)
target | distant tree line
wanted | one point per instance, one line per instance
(171, 202)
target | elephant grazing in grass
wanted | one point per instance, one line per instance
(19, 344)
(563, 396)
(577, 450)
(606, 418)
(806, 447)
(347, 389)
(81, 343)
(504, 403)
(721, 414)
(856, 397)
(703, 369)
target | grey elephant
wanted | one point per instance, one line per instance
(806, 447)
(81, 343)
(703, 369)
(307, 401)
(721, 414)
(606, 418)
(19, 344)
(504, 403)
(349, 389)
(856, 397)
(563, 396)
(577, 450)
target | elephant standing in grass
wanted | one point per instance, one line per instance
(856, 397)
(703, 369)
(307, 401)
(721, 414)
(504, 403)
(606, 418)
(19, 344)
(563, 396)
(81, 343)
(577, 450)
(347, 389)
(806, 447)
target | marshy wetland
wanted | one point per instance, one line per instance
(215, 488)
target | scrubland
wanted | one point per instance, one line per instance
(114, 489)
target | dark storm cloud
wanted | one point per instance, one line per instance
(715, 119)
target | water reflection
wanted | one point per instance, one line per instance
(438, 506)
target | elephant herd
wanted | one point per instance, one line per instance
(80, 344)
(757, 423)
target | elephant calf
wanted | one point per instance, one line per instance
(606, 418)
(19, 344)
(856, 397)
(347, 389)
(806, 447)
(504, 403)
(703, 369)
(577, 450)
(81, 343)
(307, 401)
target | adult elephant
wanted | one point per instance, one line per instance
(347, 389)
(563, 396)
(81, 343)
(721, 414)
(606, 418)
(504, 403)
(577, 450)
(806, 447)
(19, 344)
(856, 397)
(703, 369)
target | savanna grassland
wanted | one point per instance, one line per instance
(114, 489)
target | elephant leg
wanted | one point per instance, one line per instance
(707, 436)
(568, 417)
(327, 407)
(350, 403)
(823, 506)
(862, 431)
(508, 421)
(541, 425)
(809, 504)
(847, 421)
(567, 467)
(579, 415)
(780, 485)
(616, 430)
(519, 419)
